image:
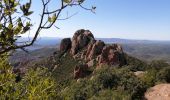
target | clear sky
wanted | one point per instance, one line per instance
(129, 19)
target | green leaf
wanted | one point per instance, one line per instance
(29, 13)
(49, 19)
(16, 4)
(67, 1)
(28, 24)
(10, 26)
(28, 5)
(54, 17)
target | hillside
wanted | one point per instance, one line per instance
(85, 68)
(105, 82)
(149, 52)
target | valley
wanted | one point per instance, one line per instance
(141, 49)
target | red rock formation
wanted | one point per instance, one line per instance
(80, 71)
(80, 40)
(65, 44)
(112, 55)
(94, 49)
(84, 47)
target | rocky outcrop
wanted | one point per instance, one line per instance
(80, 71)
(158, 92)
(65, 45)
(94, 49)
(80, 40)
(83, 46)
(112, 55)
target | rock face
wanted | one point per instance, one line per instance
(84, 47)
(112, 55)
(158, 92)
(80, 71)
(65, 45)
(80, 40)
(94, 49)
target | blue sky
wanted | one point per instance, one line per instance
(129, 19)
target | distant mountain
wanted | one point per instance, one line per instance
(44, 42)
(51, 41)
(124, 41)
(143, 49)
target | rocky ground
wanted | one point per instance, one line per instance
(158, 92)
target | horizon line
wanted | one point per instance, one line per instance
(106, 38)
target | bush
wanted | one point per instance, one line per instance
(156, 74)
(135, 64)
(109, 94)
(106, 83)
(164, 75)
(105, 78)
(36, 83)
(150, 77)
(158, 64)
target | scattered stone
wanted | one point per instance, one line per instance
(55, 67)
(139, 73)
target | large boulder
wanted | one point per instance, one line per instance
(65, 44)
(112, 55)
(158, 92)
(80, 40)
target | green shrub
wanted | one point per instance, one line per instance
(135, 64)
(149, 77)
(164, 75)
(105, 78)
(106, 83)
(36, 83)
(158, 64)
(109, 94)
(158, 74)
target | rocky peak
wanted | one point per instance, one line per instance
(80, 40)
(84, 46)
(65, 44)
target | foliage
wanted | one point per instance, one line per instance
(149, 78)
(157, 72)
(12, 23)
(135, 64)
(106, 83)
(36, 83)
(109, 94)
(15, 20)
(164, 75)
(158, 64)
